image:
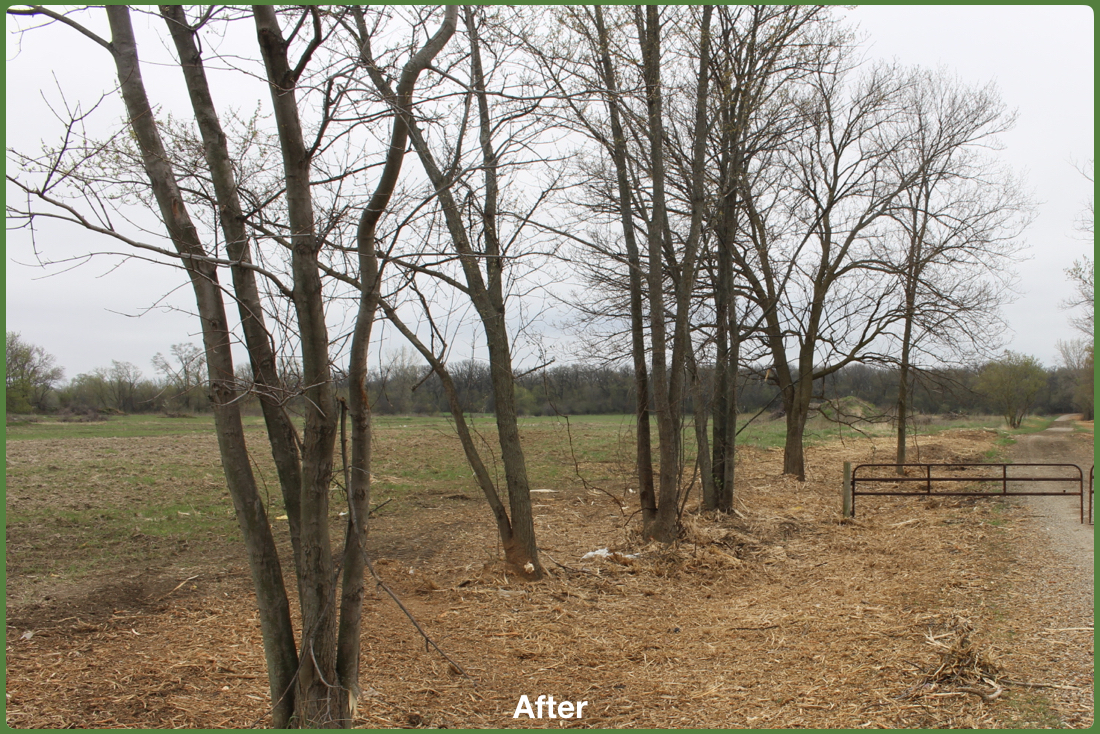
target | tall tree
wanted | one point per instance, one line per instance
(314, 683)
(617, 85)
(475, 229)
(957, 226)
(764, 50)
(617, 148)
(808, 261)
(670, 371)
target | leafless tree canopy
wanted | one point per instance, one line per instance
(736, 191)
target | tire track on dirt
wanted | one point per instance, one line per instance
(1059, 518)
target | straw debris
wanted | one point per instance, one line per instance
(777, 616)
(964, 666)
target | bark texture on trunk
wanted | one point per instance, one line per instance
(274, 609)
(643, 437)
(323, 701)
(797, 407)
(903, 399)
(282, 436)
(670, 370)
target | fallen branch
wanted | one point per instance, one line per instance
(376, 508)
(1024, 684)
(181, 583)
(427, 639)
(985, 696)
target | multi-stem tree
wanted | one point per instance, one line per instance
(313, 683)
(763, 52)
(579, 58)
(670, 370)
(614, 91)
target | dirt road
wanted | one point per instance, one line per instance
(1070, 540)
(1060, 553)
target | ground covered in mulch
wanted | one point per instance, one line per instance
(919, 613)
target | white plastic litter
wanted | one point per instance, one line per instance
(605, 553)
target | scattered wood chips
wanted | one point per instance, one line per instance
(917, 614)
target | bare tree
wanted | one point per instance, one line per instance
(183, 374)
(764, 51)
(957, 228)
(617, 145)
(616, 86)
(669, 371)
(481, 246)
(808, 260)
(1081, 274)
(314, 683)
(1078, 356)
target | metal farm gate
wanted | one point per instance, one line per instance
(1092, 471)
(920, 480)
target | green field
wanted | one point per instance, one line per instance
(82, 496)
(761, 432)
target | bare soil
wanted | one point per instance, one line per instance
(954, 612)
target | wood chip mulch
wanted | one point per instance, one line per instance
(918, 614)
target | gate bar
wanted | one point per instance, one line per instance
(1004, 479)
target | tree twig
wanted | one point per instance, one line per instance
(427, 639)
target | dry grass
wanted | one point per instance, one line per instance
(779, 615)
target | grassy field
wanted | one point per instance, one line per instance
(607, 430)
(132, 488)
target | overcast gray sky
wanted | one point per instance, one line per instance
(1041, 58)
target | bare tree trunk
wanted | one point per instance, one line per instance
(903, 381)
(487, 295)
(282, 435)
(724, 486)
(496, 332)
(720, 407)
(643, 438)
(727, 351)
(699, 423)
(267, 577)
(668, 378)
(663, 526)
(348, 634)
(796, 402)
(323, 701)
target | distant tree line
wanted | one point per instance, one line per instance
(407, 387)
(35, 384)
(585, 389)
